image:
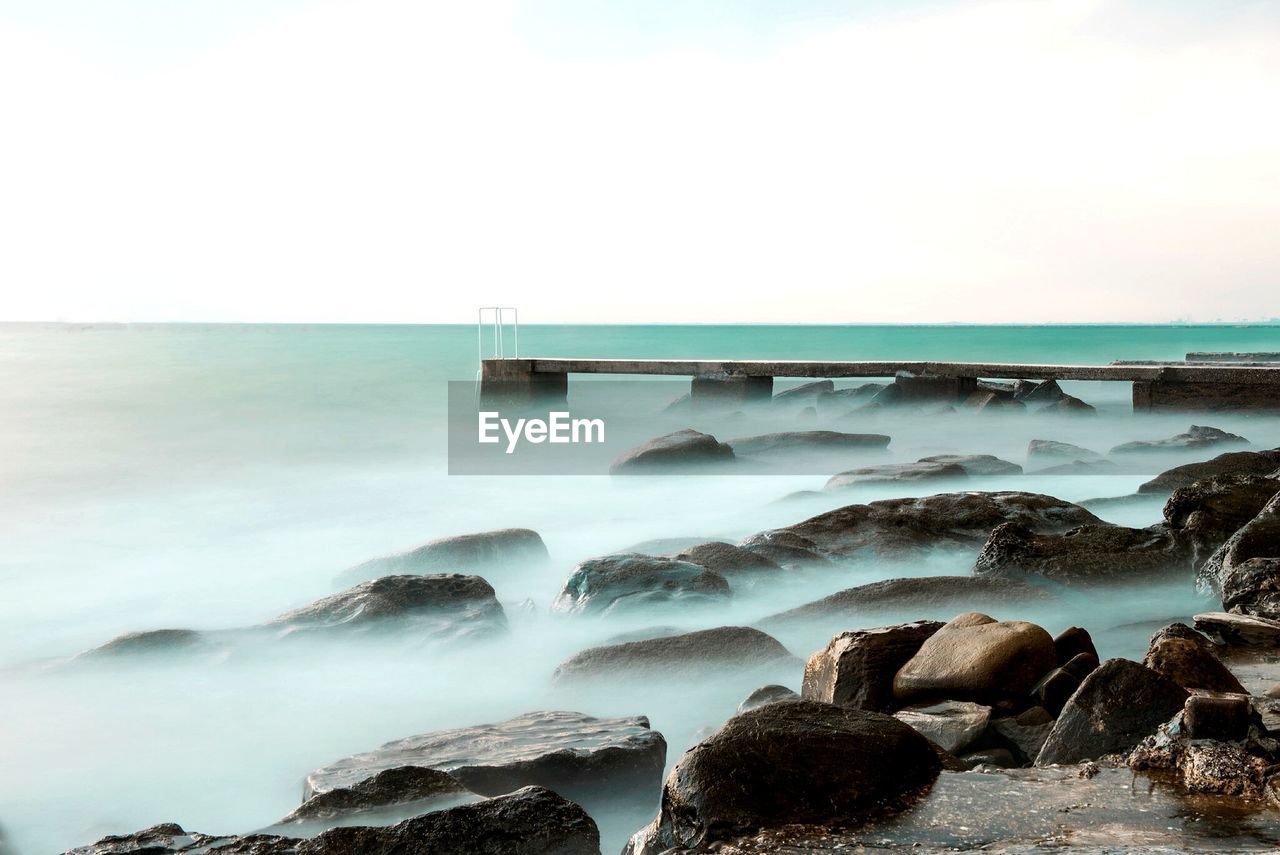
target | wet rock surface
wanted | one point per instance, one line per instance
(1048, 451)
(628, 581)
(856, 668)
(578, 756)
(676, 451)
(390, 787)
(729, 561)
(928, 594)
(976, 464)
(896, 472)
(1196, 437)
(1241, 630)
(790, 442)
(1233, 462)
(952, 725)
(1088, 554)
(770, 694)
(442, 606)
(1247, 566)
(728, 647)
(789, 762)
(1209, 511)
(1184, 656)
(468, 552)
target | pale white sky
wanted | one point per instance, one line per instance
(722, 160)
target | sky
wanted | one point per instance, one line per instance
(809, 161)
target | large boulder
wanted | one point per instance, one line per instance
(1209, 511)
(1247, 567)
(937, 595)
(1183, 655)
(892, 473)
(530, 821)
(1069, 405)
(1051, 451)
(468, 552)
(951, 725)
(1243, 462)
(1115, 708)
(731, 562)
(805, 391)
(1040, 393)
(785, 548)
(630, 581)
(950, 520)
(976, 464)
(674, 452)
(770, 694)
(444, 606)
(1239, 630)
(786, 763)
(1089, 554)
(718, 650)
(402, 785)
(975, 657)
(1196, 437)
(856, 668)
(807, 441)
(576, 755)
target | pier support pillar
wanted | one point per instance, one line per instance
(1172, 396)
(514, 383)
(927, 387)
(729, 390)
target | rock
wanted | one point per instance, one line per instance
(1115, 707)
(770, 694)
(784, 763)
(889, 473)
(785, 548)
(1001, 758)
(442, 606)
(673, 452)
(1026, 731)
(1056, 688)
(951, 520)
(1069, 405)
(932, 594)
(669, 545)
(1209, 511)
(577, 756)
(470, 552)
(531, 821)
(839, 399)
(399, 786)
(1225, 718)
(1239, 630)
(148, 642)
(985, 399)
(1196, 437)
(719, 650)
(631, 581)
(728, 560)
(924, 388)
(952, 725)
(1080, 467)
(805, 391)
(807, 441)
(1233, 462)
(1042, 393)
(1073, 641)
(1189, 662)
(1220, 769)
(1048, 450)
(976, 464)
(975, 657)
(1089, 554)
(1247, 566)
(856, 668)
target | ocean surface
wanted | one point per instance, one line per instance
(213, 476)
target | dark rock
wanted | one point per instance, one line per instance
(888, 473)
(1026, 731)
(1088, 554)
(1080, 467)
(1043, 393)
(1057, 687)
(148, 642)
(1233, 462)
(932, 594)
(1115, 707)
(923, 388)
(468, 552)
(675, 451)
(399, 786)
(1239, 630)
(840, 399)
(1230, 770)
(629, 581)
(1187, 660)
(728, 560)
(985, 399)
(1196, 437)
(770, 694)
(1048, 450)
(580, 757)
(856, 668)
(999, 757)
(1209, 511)
(157, 840)
(1072, 641)
(446, 606)
(785, 548)
(1225, 718)
(784, 763)
(718, 650)
(1247, 566)
(976, 464)
(807, 441)
(1069, 405)
(951, 725)
(975, 657)
(805, 391)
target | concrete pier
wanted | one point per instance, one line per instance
(1190, 385)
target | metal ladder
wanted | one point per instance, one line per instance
(497, 319)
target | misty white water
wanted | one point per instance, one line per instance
(213, 477)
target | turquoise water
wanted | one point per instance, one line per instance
(214, 476)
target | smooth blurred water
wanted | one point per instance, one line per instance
(214, 476)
